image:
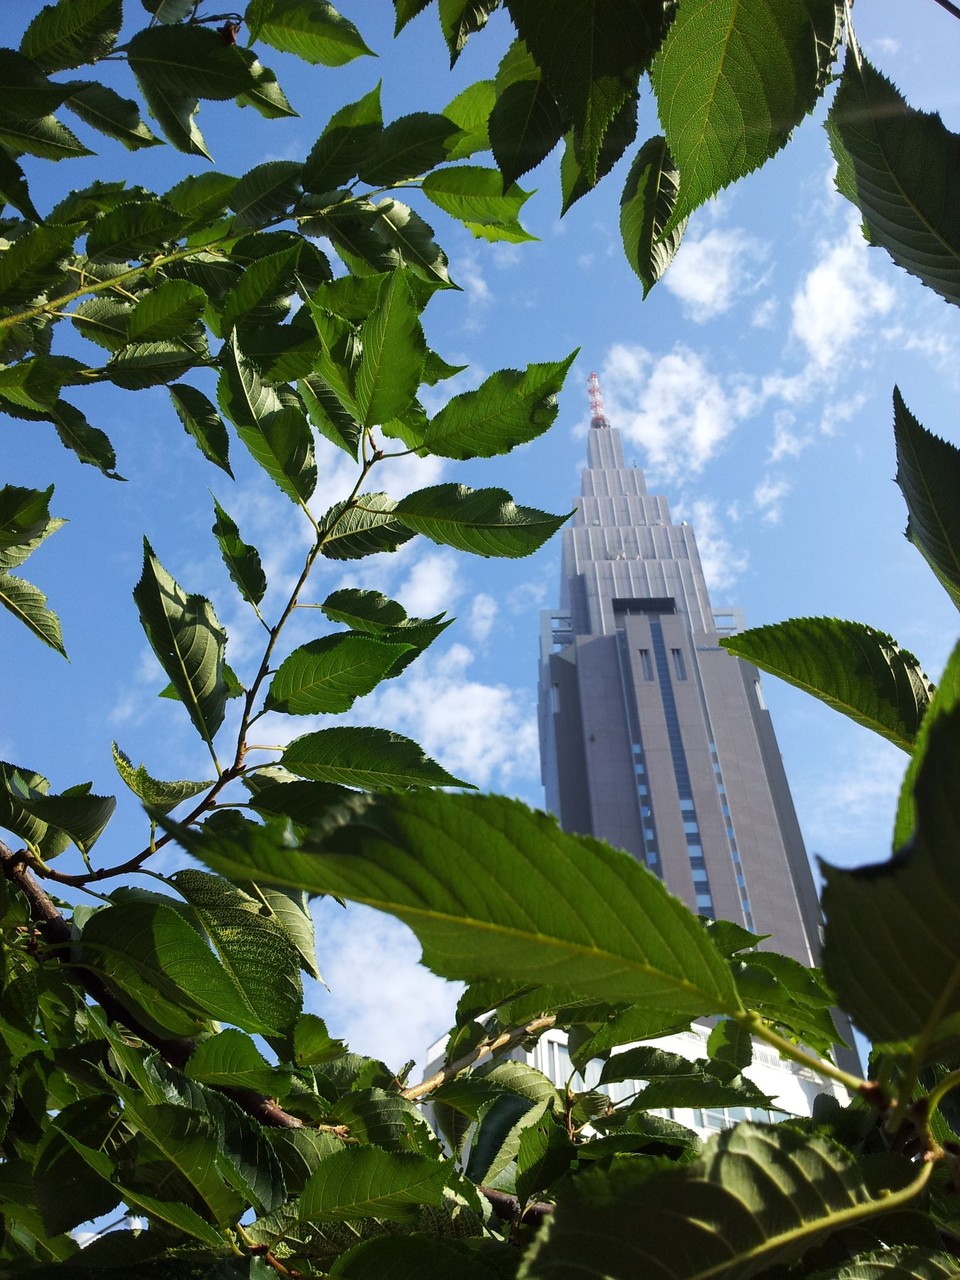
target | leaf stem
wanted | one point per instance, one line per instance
(506, 1040)
(754, 1023)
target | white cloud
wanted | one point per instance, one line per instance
(765, 313)
(787, 443)
(483, 613)
(837, 300)
(483, 733)
(710, 273)
(768, 496)
(853, 797)
(673, 406)
(381, 1000)
(722, 563)
(432, 584)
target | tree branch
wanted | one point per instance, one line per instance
(176, 1050)
(484, 1049)
(949, 6)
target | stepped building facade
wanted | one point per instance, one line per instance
(652, 736)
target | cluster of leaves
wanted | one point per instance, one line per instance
(156, 1057)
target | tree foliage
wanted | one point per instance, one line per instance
(157, 1060)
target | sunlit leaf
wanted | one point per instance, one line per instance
(646, 207)
(311, 29)
(66, 35)
(757, 1197)
(188, 640)
(898, 166)
(163, 796)
(849, 666)
(486, 522)
(329, 674)
(241, 559)
(928, 471)
(364, 757)
(761, 65)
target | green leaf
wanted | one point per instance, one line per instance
(420, 1257)
(365, 1182)
(413, 237)
(329, 674)
(13, 186)
(252, 945)
(133, 230)
(262, 292)
(407, 10)
(392, 356)
(476, 196)
(849, 666)
(897, 1262)
(265, 95)
(149, 364)
(189, 642)
(928, 470)
(757, 1197)
(345, 144)
(525, 126)
(592, 54)
(150, 951)
(486, 522)
(88, 443)
(646, 208)
(761, 66)
(25, 521)
(266, 193)
(29, 604)
(944, 700)
(242, 560)
(459, 19)
(175, 112)
(290, 908)
(672, 1081)
(163, 796)
(890, 937)
(408, 147)
(42, 136)
(65, 1193)
(364, 527)
(509, 408)
(103, 321)
(31, 264)
(201, 420)
(188, 61)
(72, 32)
(373, 612)
(898, 166)
(187, 1140)
(729, 1042)
(312, 1042)
(364, 757)
(328, 415)
(112, 115)
(470, 112)
(311, 29)
(493, 889)
(179, 1216)
(544, 1154)
(167, 311)
(16, 786)
(232, 1059)
(200, 198)
(278, 436)
(82, 816)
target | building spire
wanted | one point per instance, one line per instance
(597, 417)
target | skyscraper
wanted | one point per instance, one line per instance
(652, 736)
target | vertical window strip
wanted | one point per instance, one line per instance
(681, 771)
(648, 826)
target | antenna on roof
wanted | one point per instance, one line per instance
(597, 416)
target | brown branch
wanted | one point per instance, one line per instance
(506, 1040)
(509, 1208)
(55, 930)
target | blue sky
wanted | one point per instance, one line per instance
(754, 385)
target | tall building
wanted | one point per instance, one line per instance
(652, 736)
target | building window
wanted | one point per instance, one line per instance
(679, 666)
(646, 666)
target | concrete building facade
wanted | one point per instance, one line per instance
(652, 736)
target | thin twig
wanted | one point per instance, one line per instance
(506, 1040)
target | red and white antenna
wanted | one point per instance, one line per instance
(597, 417)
